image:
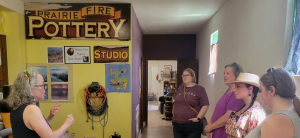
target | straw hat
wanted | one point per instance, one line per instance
(248, 78)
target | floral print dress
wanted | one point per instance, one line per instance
(239, 125)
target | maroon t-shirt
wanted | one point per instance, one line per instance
(195, 96)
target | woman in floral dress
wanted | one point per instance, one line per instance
(243, 121)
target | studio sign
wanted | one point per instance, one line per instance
(88, 22)
(108, 54)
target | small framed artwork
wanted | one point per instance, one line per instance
(55, 55)
(59, 92)
(77, 55)
(168, 69)
(117, 77)
(59, 73)
(42, 70)
(58, 80)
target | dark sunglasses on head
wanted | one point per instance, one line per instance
(271, 70)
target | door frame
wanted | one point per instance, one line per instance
(3, 58)
(144, 96)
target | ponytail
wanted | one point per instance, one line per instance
(296, 102)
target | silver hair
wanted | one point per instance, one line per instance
(21, 89)
(236, 69)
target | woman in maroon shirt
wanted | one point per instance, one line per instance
(191, 104)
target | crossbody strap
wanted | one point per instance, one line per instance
(186, 102)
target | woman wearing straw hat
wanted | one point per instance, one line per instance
(278, 89)
(251, 114)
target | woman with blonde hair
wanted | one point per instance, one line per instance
(278, 89)
(27, 120)
(191, 104)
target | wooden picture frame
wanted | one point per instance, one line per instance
(50, 82)
(167, 69)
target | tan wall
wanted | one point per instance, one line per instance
(251, 33)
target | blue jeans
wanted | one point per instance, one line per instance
(187, 130)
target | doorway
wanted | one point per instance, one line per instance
(148, 130)
(159, 80)
(3, 62)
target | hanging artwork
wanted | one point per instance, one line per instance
(59, 73)
(108, 54)
(168, 69)
(59, 92)
(57, 21)
(77, 55)
(58, 80)
(42, 70)
(117, 78)
(55, 55)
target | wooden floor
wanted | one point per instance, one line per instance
(157, 127)
(155, 118)
(158, 132)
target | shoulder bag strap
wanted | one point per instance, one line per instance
(186, 102)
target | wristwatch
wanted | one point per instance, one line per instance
(198, 118)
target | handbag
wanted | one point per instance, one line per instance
(203, 120)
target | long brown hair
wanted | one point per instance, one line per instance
(284, 84)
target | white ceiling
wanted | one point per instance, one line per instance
(164, 16)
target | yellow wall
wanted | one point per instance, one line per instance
(83, 74)
(2, 23)
(15, 43)
(21, 51)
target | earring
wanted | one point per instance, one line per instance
(249, 94)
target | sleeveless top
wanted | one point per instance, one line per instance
(18, 126)
(256, 133)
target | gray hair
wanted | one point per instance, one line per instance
(236, 69)
(21, 89)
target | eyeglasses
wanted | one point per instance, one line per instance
(44, 85)
(271, 70)
(186, 75)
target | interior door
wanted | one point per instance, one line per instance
(3, 61)
(182, 65)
